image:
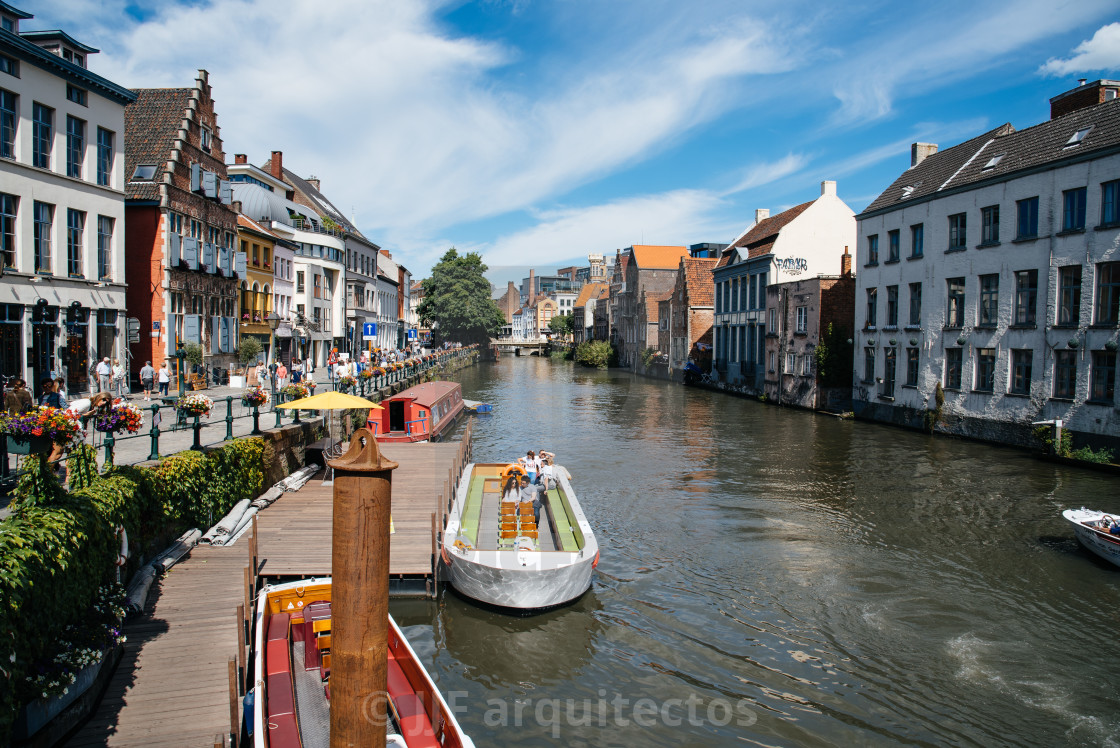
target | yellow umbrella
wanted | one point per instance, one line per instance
(330, 401)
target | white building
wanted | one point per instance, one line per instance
(62, 302)
(991, 272)
(801, 242)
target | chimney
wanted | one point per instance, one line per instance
(240, 158)
(828, 187)
(761, 214)
(314, 182)
(276, 164)
(919, 152)
(236, 205)
(532, 287)
(1083, 96)
(845, 263)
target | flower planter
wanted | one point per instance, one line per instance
(38, 716)
(28, 445)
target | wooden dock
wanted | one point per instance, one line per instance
(181, 678)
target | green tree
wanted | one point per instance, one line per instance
(834, 358)
(457, 304)
(249, 349)
(562, 324)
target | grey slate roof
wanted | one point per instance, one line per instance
(1035, 147)
(151, 124)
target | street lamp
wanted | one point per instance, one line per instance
(273, 323)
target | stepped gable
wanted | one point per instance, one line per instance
(151, 125)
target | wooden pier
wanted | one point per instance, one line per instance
(181, 679)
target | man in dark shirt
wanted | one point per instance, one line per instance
(532, 492)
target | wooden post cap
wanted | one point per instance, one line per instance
(363, 456)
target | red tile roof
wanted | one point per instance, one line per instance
(657, 257)
(588, 292)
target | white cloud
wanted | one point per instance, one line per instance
(758, 175)
(1102, 52)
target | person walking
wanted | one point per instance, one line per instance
(281, 375)
(17, 399)
(118, 378)
(164, 379)
(104, 375)
(147, 379)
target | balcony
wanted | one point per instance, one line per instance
(299, 222)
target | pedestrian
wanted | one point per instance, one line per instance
(164, 379)
(281, 375)
(104, 375)
(118, 378)
(49, 397)
(297, 375)
(147, 377)
(17, 399)
(272, 374)
(259, 373)
(60, 388)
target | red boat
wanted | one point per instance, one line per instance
(420, 413)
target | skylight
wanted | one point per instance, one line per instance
(144, 173)
(1078, 137)
(992, 162)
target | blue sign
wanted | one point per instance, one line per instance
(369, 330)
(412, 334)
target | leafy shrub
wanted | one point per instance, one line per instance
(596, 353)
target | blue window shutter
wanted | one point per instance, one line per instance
(175, 250)
(240, 264)
(226, 192)
(196, 177)
(190, 252)
(229, 333)
(209, 184)
(215, 334)
(192, 332)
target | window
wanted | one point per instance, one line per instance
(911, 367)
(44, 218)
(890, 356)
(7, 124)
(1110, 203)
(989, 225)
(75, 228)
(1065, 374)
(1103, 377)
(9, 205)
(75, 146)
(299, 281)
(993, 161)
(1026, 294)
(868, 364)
(1069, 295)
(985, 369)
(791, 362)
(1027, 218)
(771, 361)
(806, 366)
(958, 231)
(751, 294)
(955, 317)
(917, 240)
(989, 300)
(802, 319)
(104, 247)
(75, 94)
(954, 358)
(892, 306)
(1108, 293)
(872, 306)
(9, 65)
(771, 319)
(1073, 209)
(1021, 361)
(104, 156)
(873, 249)
(915, 304)
(1078, 136)
(205, 139)
(144, 173)
(893, 242)
(256, 255)
(42, 135)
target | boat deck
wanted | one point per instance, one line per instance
(482, 517)
(172, 686)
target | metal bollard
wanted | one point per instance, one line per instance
(155, 433)
(276, 410)
(109, 442)
(229, 417)
(197, 446)
(256, 421)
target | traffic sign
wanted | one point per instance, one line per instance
(412, 334)
(369, 330)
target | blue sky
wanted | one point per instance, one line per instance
(537, 132)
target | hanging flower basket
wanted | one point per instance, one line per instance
(295, 391)
(121, 417)
(255, 396)
(347, 383)
(195, 405)
(25, 430)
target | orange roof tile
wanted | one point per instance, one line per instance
(588, 292)
(657, 257)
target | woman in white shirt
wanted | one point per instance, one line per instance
(118, 377)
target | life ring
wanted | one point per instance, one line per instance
(122, 556)
(511, 470)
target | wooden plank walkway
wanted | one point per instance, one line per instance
(171, 687)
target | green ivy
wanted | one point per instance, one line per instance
(58, 548)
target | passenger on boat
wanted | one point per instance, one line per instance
(547, 479)
(532, 465)
(532, 492)
(509, 493)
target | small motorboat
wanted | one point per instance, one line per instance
(292, 663)
(496, 552)
(474, 406)
(421, 413)
(1097, 531)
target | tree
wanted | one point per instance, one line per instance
(249, 349)
(457, 304)
(562, 324)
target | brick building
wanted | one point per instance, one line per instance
(639, 270)
(180, 227)
(585, 311)
(691, 313)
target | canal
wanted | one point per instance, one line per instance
(776, 577)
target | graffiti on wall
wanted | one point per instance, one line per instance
(792, 265)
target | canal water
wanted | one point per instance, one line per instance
(775, 577)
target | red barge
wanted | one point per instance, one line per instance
(420, 413)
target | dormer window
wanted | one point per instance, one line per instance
(8, 24)
(71, 56)
(1078, 136)
(992, 162)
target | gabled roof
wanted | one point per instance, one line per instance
(604, 292)
(698, 283)
(657, 257)
(57, 35)
(588, 292)
(318, 200)
(1037, 147)
(761, 237)
(151, 125)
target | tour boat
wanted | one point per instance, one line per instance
(420, 413)
(496, 553)
(292, 662)
(1093, 528)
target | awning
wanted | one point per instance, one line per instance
(284, 331)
